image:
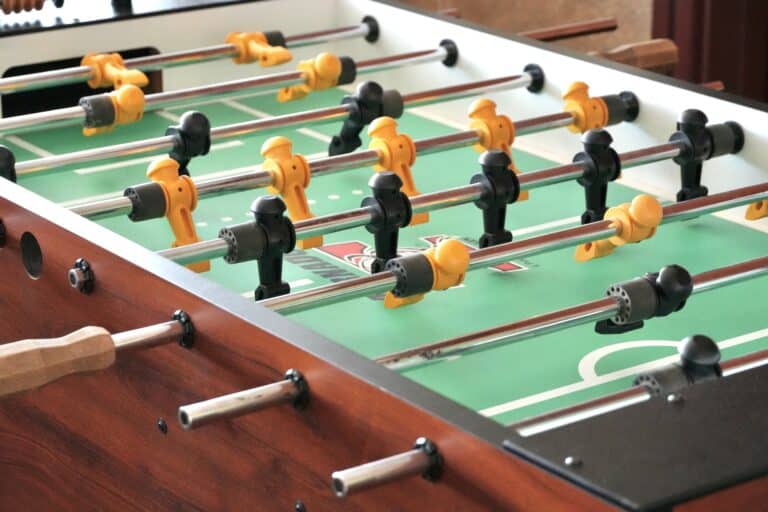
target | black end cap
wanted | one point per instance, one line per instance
(7, 164)
(727, 138)
(676, 285)
(699, 350)
(147, 201)
(373, 29)
(622, 107)
(302, 399)
(435, 468)
(348, 71)
(392, 104)
(192, 137)
(692, 117)
(187, 338)
(452, 52)
(596, 139)
(268, 205)
(537, 77)
(275, 38)
(99, 110)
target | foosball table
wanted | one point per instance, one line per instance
(373, 259)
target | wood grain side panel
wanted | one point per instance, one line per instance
(91, 442)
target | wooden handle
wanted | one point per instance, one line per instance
(658, 55)
(29, 364)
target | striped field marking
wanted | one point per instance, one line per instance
(146, 159)
(25, 144)
(262, 115)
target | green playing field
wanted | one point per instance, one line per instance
(506, 383)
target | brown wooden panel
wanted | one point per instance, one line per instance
(91, 442)
(752, 495)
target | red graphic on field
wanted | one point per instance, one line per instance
(361, 255)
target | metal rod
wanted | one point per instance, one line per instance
(149, 336)
(198, 251)
(325, 36)
(538, 124)
(165, 143)
(271, 82)
(466, 90)
(503, 334)
(401, 60)
(237, 404)
(171, 59)
(331, 293)
(580, 314)
(256, 178)
(494, 255)
(47, 117)
(410, 463)
(582, 411)
(619, 400)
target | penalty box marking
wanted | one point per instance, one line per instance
(598, 380)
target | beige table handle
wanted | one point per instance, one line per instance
(29, 364)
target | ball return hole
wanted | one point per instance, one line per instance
(31, 255)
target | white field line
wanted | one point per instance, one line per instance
(146, 159)
(25, 144)
(167, 115)
(546, 226)
(608, 377)
(261, 114)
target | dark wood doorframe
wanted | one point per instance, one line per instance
(718, 40)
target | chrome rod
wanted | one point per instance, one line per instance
(59, 115)
(307, 118)
(45, 79)
(410, 463)
(331, 293)
(333, 223)
(326, 36)
(501, 253)
(555, 321)
(496, 254)
(149, 336)
(685, 210)
(155, 144)
(732, 274)
(198, 251)
(615, 401)
(261, 83)
(165, 143)
(181, 57)
(113, 206)
(548, 122)
(582, 411)
(744, 363)
(503, 334)
(257, 178)
(650, 154)
(337, 163)
(400, 60)
(467, 90)
(170, 59)
(237, 404)
(268, 83)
